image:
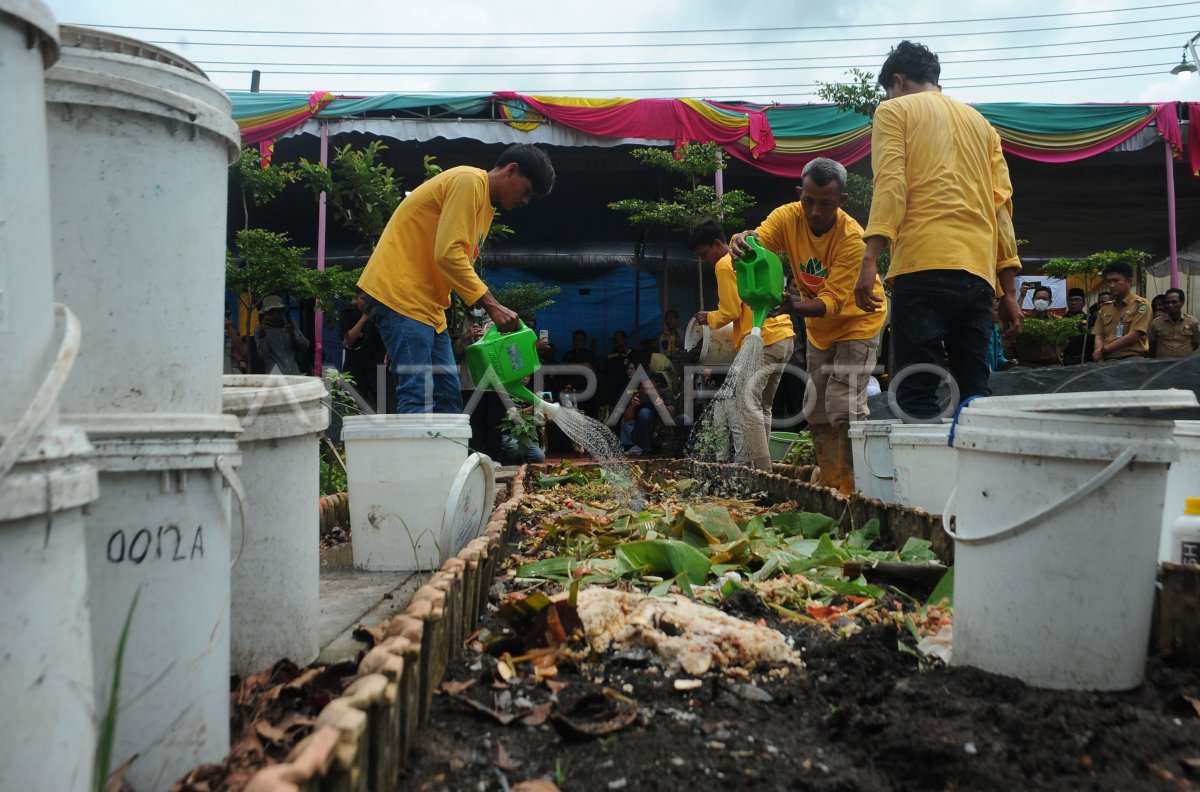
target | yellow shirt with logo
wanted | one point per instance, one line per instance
(1118, 319)
(838, 253)
(1178, 339)
(429, 247)
(730, 308)
(942, 197)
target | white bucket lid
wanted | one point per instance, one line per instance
(1187, 428)
(406, 427)
(158, 441)
(36, 14)
(918, 434)
(274, 406)
(1064, 436)
(52, 475)
(469, 503)
(1089, 400)
(104, 69)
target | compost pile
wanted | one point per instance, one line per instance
(813, 673)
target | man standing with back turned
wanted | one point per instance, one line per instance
(428, 248)
(943, 202)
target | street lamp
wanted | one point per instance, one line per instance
(1185, 70)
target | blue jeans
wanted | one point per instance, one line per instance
(422, 360)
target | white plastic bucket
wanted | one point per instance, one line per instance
(28, 43)
(873, 466)
(1055, 559)
(48, 736)
(923, 465)
(716, 346)
(161, 529)
(400, 469)
(275, 585)
(1183, 481)
(139, 144)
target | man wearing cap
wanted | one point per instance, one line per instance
(825, 248)
(429, 248)
(277, 340)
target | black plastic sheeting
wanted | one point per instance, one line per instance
(1183, 373)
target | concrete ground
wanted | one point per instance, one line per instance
(352, 597)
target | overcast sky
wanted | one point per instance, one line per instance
(770, 50)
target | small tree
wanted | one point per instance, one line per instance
(268, 263)
(1090, 266)
(361, 190)
(862, 94)
(694, 161)
(256, 183)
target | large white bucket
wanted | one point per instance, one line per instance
(873, 468)
(1055, 557)
(28, 44)
(48, 736)
(401, 469)
(923, 465)
(716, 346)
(275, 588)
(139, 144)
(1183, 481)
(161, 530)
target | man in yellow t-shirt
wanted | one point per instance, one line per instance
(427, 249)
(1123, 324)
(707, 240)
(825, 247)
(943, 202)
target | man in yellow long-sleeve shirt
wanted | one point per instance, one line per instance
(824, 245)
(707, 240)
(943, 202)
(427, 249)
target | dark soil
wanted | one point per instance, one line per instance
(863, 716)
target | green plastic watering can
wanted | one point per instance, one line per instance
(510, 357)
(759, 280)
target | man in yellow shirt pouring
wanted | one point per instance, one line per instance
(427, 249)
(825, 247)
(707, 240)
(943, 202)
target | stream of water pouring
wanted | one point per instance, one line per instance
(598, 441)
(713, 436)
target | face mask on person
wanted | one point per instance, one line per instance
(1041, 305)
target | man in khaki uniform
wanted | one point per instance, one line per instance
(1123, 324)
(1176, 335)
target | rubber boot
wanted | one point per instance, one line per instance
(825, 447)
(843, 479)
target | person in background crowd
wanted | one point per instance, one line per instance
(943, 203)
(364, 352)
(754, 408)
(1175, 334)
(546, 351)
(670, 340)
(1158, 306)
(1032, 351)
(1042, 297)
(235, 349)
(996, 358)
(427, 249)
(613, 378)
(279, 342)
(578, 355)
(1074, 350)
(1122, 324)
(643, 410)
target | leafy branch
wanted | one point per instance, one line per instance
(861, 94)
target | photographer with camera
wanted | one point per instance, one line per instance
(279, 342)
